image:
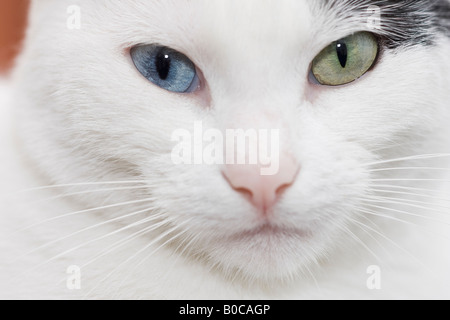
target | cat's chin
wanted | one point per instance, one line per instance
(265, 254)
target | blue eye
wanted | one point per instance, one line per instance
(165, 67)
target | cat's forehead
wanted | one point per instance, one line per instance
(225, 21)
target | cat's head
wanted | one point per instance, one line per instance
(108, 88)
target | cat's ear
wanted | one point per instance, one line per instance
(12, 26)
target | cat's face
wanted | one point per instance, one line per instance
(101, 119)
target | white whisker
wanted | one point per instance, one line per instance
(116, 245)
(145, 258)
(412, 203)
(376, 214)
(410, 194)
(375, 226)
(380, 215)
(357, 239)
(93, 241)
(159, 238)
(416, 157)
(87, 229)
(390, 241)
(316, 283)
(185, 247)
(409, 179)
(90, 192)
(129, 238)
(408, 168)
(364, 228)
(86, 211)
(442, 195)
(393, 186)
(402, 212)
(80, 184)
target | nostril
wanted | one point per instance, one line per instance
(240, 188)
(282, 189)
(245, 192)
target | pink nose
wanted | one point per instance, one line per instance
(263, 190)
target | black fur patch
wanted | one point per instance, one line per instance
(404, 22)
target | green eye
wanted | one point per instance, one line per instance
(345, 60)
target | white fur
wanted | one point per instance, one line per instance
(84, 114)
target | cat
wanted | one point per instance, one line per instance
(95, 207)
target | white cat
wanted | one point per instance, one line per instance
(93, 205)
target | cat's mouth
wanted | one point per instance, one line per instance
(270, 231)
(267, 252)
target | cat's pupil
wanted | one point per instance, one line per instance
(163, 62)
(341, 50)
